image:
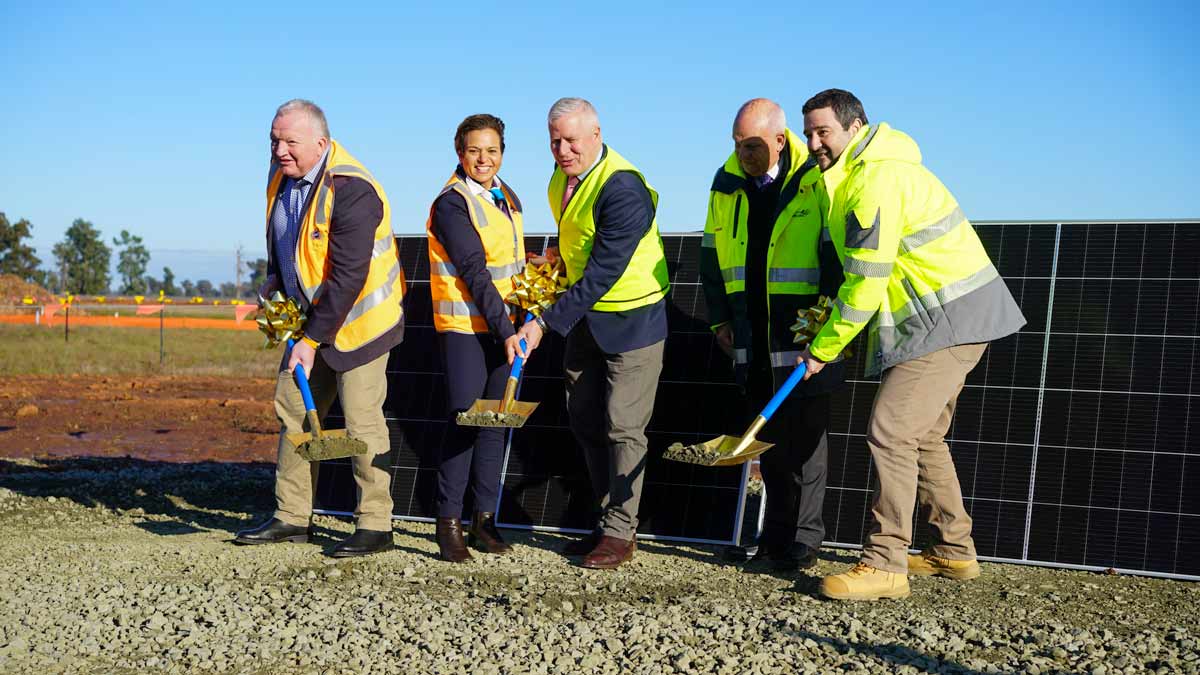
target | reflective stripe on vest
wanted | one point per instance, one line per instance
(943, 295)
(866, 269)
(934, 230)
(455, 308)
(784, 359)
(379, 304)
(495, 272)
(794, 275)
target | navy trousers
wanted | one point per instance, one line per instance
(794, 471)
(476, 367)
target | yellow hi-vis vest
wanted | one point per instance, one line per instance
(793, 259)
(454, 309)
(645, 280)
(378, 307)
(915, 268)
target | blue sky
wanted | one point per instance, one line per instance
(153, 117)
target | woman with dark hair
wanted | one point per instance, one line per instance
(476, 245)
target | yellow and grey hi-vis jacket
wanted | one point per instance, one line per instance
(915, 268)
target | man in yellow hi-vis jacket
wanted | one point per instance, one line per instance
(919, 280)
(330, 246)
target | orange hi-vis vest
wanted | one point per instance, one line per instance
(454, 309)
(379, 305)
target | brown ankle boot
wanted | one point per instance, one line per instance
(449, 536)
(484, 534)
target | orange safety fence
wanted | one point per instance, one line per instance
(52, 319)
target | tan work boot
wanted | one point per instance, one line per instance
(864, 582)
(927, 564)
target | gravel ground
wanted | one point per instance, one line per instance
(123, 566)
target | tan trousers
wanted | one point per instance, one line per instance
(907, 439)
(361, 391)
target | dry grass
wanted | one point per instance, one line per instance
(36, 350)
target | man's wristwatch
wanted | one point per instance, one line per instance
(541, 323)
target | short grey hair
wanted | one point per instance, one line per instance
(314, 112)
(767, 110)
(569, 106)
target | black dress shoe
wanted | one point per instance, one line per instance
(274, 531)
(582, 546)
(484, 535)
(738, 554)
(787, 559)
(363, 542)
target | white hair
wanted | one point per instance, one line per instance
(314, 112)
(570, 106)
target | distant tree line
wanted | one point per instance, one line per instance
(83, 265)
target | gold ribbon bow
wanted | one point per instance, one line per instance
(279, 319)
(809, 322)
(538, 286)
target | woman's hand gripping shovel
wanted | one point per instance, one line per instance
(317, 444)
(507, 412)
(730, 450)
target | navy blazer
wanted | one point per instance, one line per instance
(624, 212)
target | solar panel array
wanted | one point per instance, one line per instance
(1075, 439)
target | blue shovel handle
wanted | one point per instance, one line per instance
(518, 360)
(788, 385)
(302, 381)
(518, 364)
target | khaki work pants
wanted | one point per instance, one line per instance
(361, 391)
(907, 438)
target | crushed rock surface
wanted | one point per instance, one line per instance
(126, 566)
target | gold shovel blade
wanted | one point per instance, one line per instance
(484, 413)
(332, 444)
(718, 452)
(301, 437)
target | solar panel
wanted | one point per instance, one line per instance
(1074, 439)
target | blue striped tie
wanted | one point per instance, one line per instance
(285, 226)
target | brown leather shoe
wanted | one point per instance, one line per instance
(449, 536)
(484, 535)
(610, 553)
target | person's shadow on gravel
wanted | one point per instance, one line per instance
(169, 498)
(892, 654)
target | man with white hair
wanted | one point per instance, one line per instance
(614, 316)
(763, 258)
(330, 246)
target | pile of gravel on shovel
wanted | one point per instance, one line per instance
(126, 567)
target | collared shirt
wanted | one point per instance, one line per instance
(477, 189)
(772, 173)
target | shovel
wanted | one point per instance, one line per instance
(730, 450)
(317, 444)
(506, 412)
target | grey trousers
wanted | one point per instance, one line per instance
(907, 437)
(610, 398)
(362, 391)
